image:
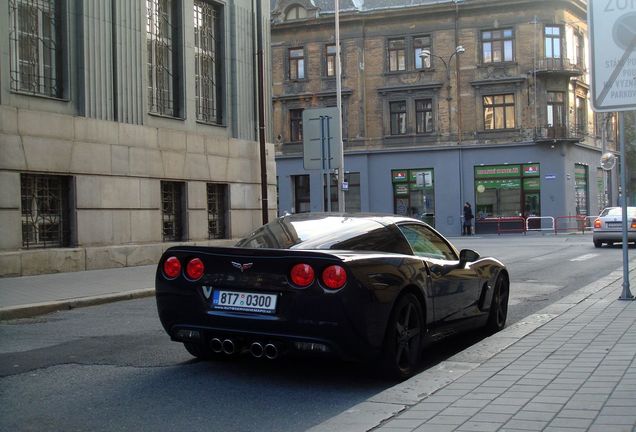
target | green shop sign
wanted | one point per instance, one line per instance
(531, 170)
(531, 184)
(482, 185)
(497, 171)
(401, 190)
(399, 176)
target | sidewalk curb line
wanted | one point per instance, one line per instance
(35, 309)
(378, 409)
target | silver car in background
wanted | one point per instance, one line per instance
(608, 226)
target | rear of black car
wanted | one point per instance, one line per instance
(265, 301)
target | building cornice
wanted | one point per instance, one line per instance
(311, 95)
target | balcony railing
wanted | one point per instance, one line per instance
(573, 132)
(559, 65)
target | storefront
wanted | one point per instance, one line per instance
(506, 191)
(414, 193)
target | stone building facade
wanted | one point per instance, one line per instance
(126, 127)
(485, 101)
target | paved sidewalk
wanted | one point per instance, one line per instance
(571, 367)
(26, 296)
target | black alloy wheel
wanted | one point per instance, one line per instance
(499, 305)
(403, 339)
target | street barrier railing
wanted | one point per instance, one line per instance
(569, 223)
(506, 224)
(540, 219)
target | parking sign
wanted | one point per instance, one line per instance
(612, 25)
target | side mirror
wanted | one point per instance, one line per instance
(467, 255)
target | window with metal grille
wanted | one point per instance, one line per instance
(35, 47)
(207, 61)
(45, 201)
(172, 210)
(217, 211)
(162, 51)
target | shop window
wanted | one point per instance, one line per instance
(35, 47)
(397, 114)
(45, 210)
(581, 180)
(296, 63)
(499, 111)
(552, 39)
(414, 194)
(352, 193)
(163, 53)
(506, 191)
(172, 210)
(397, 55)
(208, 61)
(217, 210)
(296, 125)
(424, 115)
(302, 201)
(497, 46)
(421, 44)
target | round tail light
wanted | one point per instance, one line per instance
(302, 275)
(195, 269)
(172, 267)
(597, 223)
(334, 277)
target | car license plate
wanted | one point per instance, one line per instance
(614, 224)
(244, 302)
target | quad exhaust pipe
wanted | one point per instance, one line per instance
(228, 346)
(256, 349)
(216, 345)
(271, 351)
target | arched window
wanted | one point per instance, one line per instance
(295, 12)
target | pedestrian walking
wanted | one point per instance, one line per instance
(468, 219)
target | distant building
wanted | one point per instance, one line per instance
(485, 101)
(126, 127)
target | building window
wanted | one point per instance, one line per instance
(424, 115)
(552, 36)
(420, 45)
(296, 125)
(398, 117)
(497, 46)
(555, 109)
(302, 201)
(35, 47)
(414, 193)
(507, 191)
(172, 210)
(45, 210)
(207, 61)
(499, 111)
(330, 60)
(581, 114)
(296, 63)
(352, 192)
(579, 50)
(217, 211)
(397, 55)
(162, 52)
(295, 12)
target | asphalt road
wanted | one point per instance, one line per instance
(112, 368)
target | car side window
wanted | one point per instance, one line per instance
(427, 243)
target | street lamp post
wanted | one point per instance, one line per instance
(426, 54)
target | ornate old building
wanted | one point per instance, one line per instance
(485, 101)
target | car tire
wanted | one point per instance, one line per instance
(597, 243)
(403, 340)
(499, 305)
(199, 351)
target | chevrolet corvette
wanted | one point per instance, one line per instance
(375, 288)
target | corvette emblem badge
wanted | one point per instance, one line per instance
(242, 267)
(207, 291)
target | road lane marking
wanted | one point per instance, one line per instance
(584, 257)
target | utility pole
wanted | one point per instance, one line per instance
(341, 194)
(261, 111)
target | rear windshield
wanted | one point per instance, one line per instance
(618, 211)
(296, 232)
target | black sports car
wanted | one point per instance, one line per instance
(363, 287)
